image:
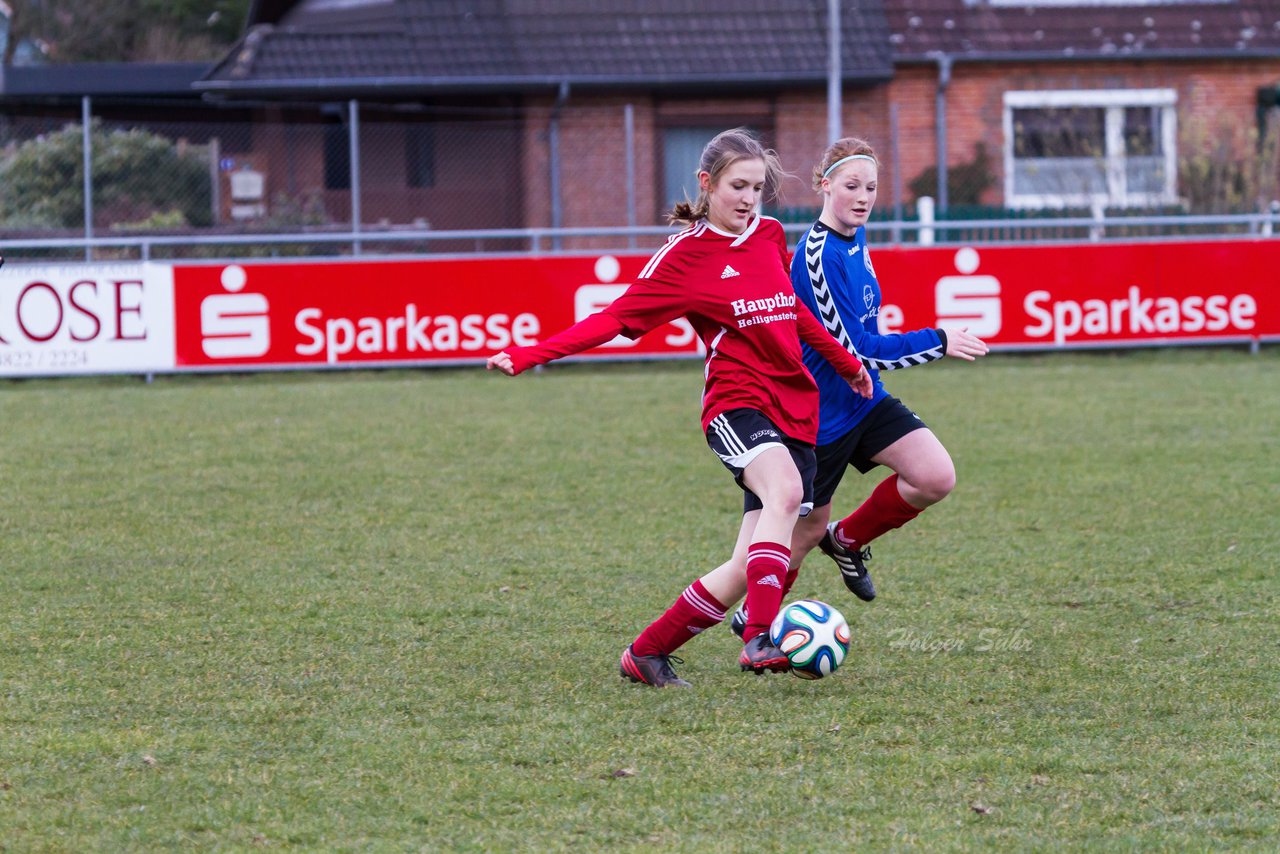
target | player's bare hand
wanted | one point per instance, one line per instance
(862, 383)
(501, 362)
(962, 345)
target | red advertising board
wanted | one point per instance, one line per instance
(1087, 295)
(156, 317)
(397, 312)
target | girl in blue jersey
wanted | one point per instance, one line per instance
(832, 273)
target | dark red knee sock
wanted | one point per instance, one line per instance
(766, 573)
(884, 510)
(789, 581)
(694, 611)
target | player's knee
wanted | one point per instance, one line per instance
(937, 483)
(787, 497)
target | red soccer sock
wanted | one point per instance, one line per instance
(766, 573)
(694, 611)
(884, 510)
(790, 581)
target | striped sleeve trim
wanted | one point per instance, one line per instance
(827, 312)
(656, 260)
(908, 361)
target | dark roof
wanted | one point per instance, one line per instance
(995, 29)
(469, 45)
(101, 79)
(268, 11)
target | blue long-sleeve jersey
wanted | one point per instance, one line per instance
(833, 275)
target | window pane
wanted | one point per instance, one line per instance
(1059, 176)
(337, 157)
(1070, 132)
(1142, 131)
(681, 149)
(420, 155)
(1144, 174)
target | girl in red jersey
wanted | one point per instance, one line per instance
(727, 273)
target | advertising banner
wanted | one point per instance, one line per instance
(1089, 295)
(379, 313)
(154, 317)
(85, 318)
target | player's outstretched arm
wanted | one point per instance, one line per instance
(501, 362)
(583, 335)
(962, 345)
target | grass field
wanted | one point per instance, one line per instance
(382, 612)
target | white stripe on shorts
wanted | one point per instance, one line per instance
(732, 443)
(739, 456)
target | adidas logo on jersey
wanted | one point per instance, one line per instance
(729, 272)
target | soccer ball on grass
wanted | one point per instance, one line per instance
(814, 636)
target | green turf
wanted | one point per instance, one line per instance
(382, 612)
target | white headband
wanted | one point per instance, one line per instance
(844, 160)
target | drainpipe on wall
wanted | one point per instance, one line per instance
(86, 130)
(553, 150)
(940, 120)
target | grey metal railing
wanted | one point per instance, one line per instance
(548, 241)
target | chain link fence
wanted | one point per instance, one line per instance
(184, 179)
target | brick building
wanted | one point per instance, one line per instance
(533, 113)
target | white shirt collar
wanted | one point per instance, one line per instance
(737, 238)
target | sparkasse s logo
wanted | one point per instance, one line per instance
(969, 300)
(592, 298)
(234, 325)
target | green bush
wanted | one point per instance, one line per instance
(136, 176)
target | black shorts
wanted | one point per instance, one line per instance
(738, 436)
(887, 422)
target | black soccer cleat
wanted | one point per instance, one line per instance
(851, 564)
(654, 670)
(738, 622)
(760, 655)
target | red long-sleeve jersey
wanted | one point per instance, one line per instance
(735, 290)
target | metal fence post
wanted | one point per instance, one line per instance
(940, 124)
(897, 173)
(835, 72)
(215, 179)
(85, 116)
(629, 122)
(353, 138)
(553, 153)
(924, 206)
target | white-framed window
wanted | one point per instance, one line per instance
(1084, 148)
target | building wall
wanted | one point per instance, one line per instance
(593, 152)
(497, 173)
(1216, 104)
